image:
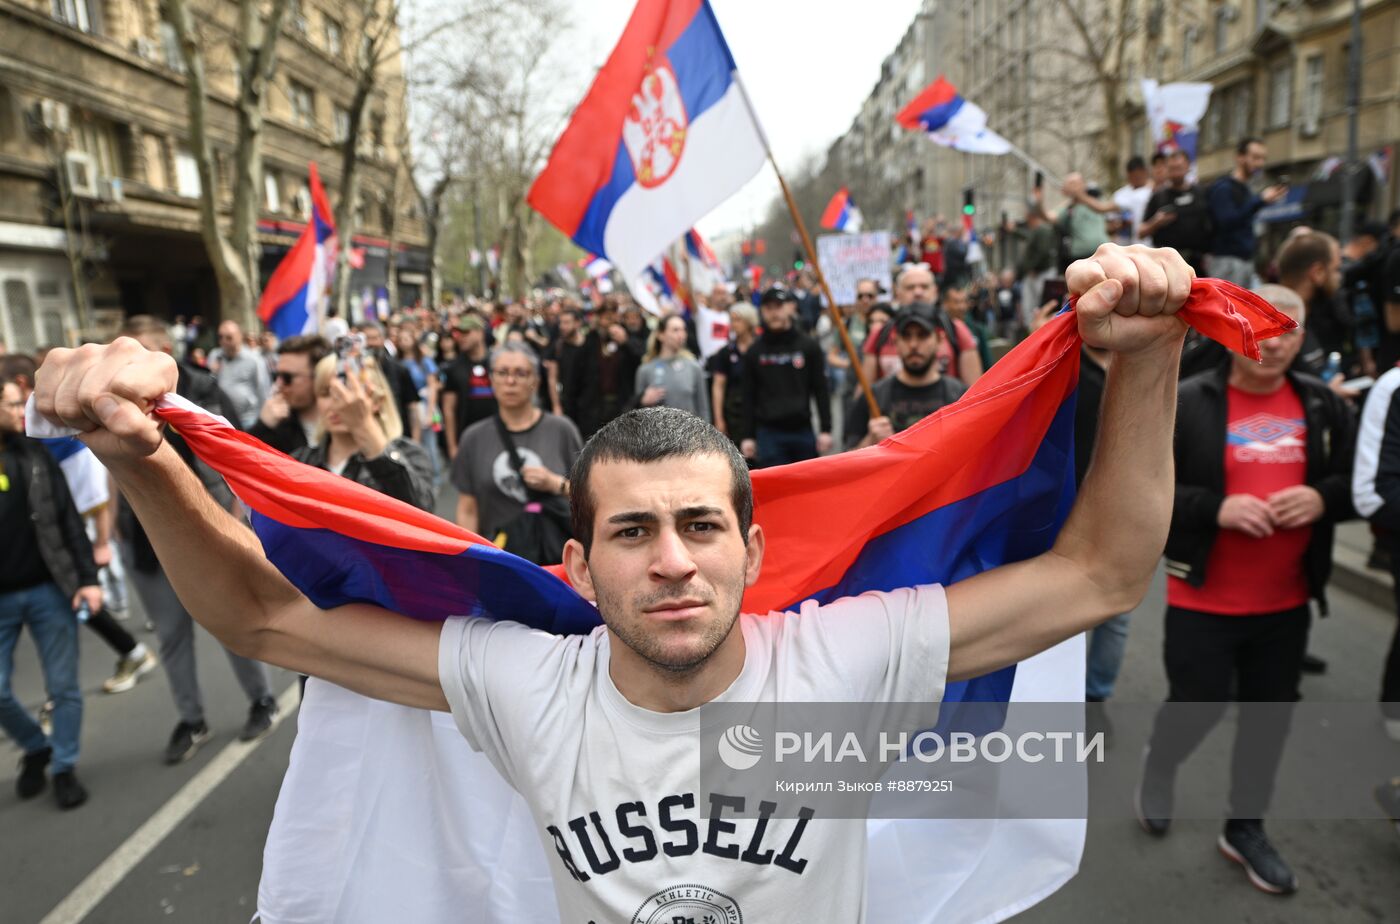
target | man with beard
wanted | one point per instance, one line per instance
(911, 394)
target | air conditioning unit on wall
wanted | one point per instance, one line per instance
(81, 172)
(52, 116)
(109, 189)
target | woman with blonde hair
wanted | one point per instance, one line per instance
(360, 436)
(669, 375)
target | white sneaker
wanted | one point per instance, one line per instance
(129, 671)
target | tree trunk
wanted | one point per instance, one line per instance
(432, 216)
(236, 294)
(349, 188)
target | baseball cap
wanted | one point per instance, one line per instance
(470, 322)
(921, 313)
(776, 295)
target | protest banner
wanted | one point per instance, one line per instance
(847, 258)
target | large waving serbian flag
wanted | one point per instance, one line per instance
(664, 135)
(951, 121)
(387, 814)
(291, 303)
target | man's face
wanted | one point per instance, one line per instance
(294, 380)
(719, 298)
(230, 338)
(1253, 158)
(1159, 172)
(1137, 178)
(374, 338)
(668, 564)
(955, 303)
(916, 285)
(867, 293)
(1328, 278)
(513, 379)
(1276, 353)
(11, 409)
(568, 325)
(917, 348)
(1177, 167)
(777, 316)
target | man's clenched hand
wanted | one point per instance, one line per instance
(106, 393)
(1129, 296)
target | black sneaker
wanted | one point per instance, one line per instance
(1312, 664)
(31, 773)
(67, 791)
(1245, 842)
(184, 741)
(1154, 798)
(259, 719)
(1388, 798)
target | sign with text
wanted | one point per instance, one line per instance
(847, 258)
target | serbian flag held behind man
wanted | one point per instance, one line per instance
(386, 813)
(951, 121)
(664, 135)
(841, 213)
(292, 302)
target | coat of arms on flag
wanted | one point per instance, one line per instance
(655, 127)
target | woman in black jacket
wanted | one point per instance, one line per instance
(361, 435)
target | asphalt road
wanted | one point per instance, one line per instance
(204, 869)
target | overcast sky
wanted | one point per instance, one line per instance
(808, 65)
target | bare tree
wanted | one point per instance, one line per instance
(232, 251)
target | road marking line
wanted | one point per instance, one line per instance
(110, 872)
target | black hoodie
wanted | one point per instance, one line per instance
(784, 372)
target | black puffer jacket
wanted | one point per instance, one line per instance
(1200, 473)
(63, 541)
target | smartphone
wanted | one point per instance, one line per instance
(347, 355)
(1053, 290)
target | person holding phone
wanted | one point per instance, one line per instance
(1178, 215)
(1233, 206)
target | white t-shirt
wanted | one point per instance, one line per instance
(613, 787)
(1133, 200)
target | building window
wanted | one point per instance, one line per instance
(76, 13)
(376, 133)
(296, 18)
(170, 48)
(1222, 30)
(1188, 49)
(21, 311)
(100, 140)
(303, 100)
(1241, 111)
(1314, 77)
(1281, 94)
(272, 191)
(335, 38)
(342, 124)
(186, 175)
(1137, 140)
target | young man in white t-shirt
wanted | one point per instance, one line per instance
(599, 732)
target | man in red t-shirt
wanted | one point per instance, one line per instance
(880, 354)
(1263, 471)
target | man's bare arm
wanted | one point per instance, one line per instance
(213, 561)
(1104, 558)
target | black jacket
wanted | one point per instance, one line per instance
(1200, 473)
(288, 436)
(58, 527)
(784, 372)
(402, 471)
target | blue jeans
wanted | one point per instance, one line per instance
(54, 626)
(779, 447)
(1106, 643)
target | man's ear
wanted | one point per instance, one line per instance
(753, 553)
(576, 567)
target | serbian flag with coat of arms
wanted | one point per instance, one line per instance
(664, 135)
(292, 302)
(386, 813)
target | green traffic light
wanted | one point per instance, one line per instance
(969, 210)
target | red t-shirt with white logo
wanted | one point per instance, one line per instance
(1265, 452)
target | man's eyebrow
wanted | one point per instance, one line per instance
(684, 513)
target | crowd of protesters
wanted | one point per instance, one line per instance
(496, 398)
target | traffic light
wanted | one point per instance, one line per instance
(968, 207)
(797, 261)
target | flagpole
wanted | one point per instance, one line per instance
(1033, 163)
(811, 252)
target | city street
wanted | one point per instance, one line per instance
(184, 844)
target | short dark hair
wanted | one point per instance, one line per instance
(313, 346)
(1302, 253)
(651, 434)
(18, 368)
(1136, 163)
(1159, 158)
(1178, 152)
(1245, 142)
